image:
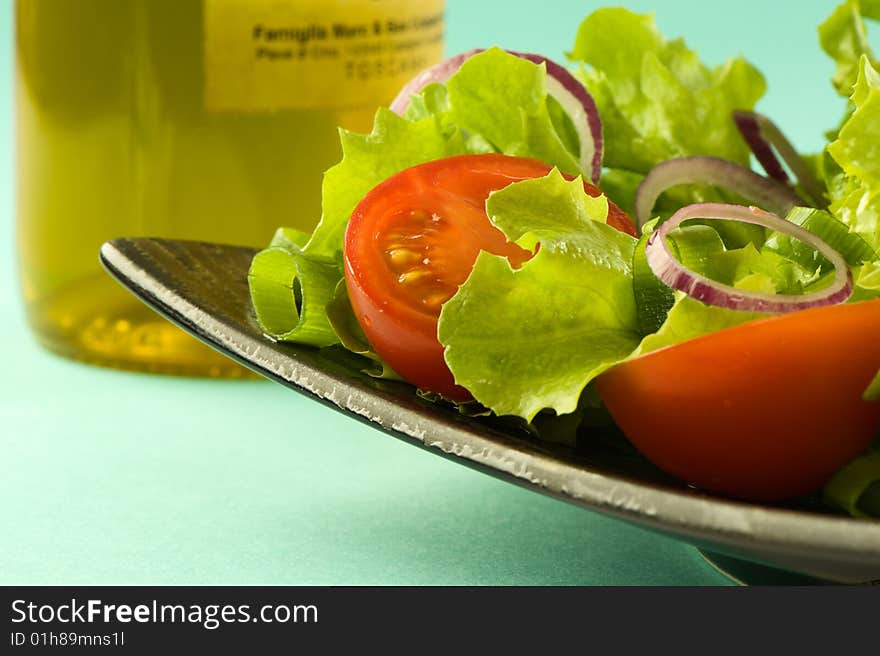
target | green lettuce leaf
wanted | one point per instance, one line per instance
(351, 336)
(855, 188)
(868, 277)
(529, 339)
(844, 37)
(503, 98)
(656, 99)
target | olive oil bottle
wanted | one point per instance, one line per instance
(189, 119)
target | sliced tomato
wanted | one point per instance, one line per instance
(767, 410)
(414, 239)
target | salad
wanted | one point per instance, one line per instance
(544, 243)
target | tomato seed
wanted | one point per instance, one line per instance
(413, 276)
(401, 257)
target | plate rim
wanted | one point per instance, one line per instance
(681, 513)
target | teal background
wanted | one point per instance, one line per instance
(109, 477)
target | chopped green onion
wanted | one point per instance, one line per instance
(836, 234)
(290, 291)
(856, 487)
(653, 298)
(693, 245)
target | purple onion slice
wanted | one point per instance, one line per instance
(674, 274)
(769, 194)
(572, 96)
(765, 139)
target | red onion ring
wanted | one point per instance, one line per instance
(577, 102)
(765, 139)
(562, 85)
(764, 192)
(676, 275)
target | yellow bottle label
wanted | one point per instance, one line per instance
(270, 55)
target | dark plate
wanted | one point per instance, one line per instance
(203, 289)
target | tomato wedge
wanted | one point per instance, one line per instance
(766, 410)
(414, 239)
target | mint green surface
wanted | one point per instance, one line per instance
(119, 478)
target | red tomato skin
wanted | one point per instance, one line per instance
(413, 351)
(404, 336)
(767, 410)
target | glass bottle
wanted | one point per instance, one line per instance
(189, 119)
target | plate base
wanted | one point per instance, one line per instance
(745, 572)
(203, 288)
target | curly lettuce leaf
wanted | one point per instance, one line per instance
(503, 98)
(656, 99)
(844, 38)
(351, 336)
(529, 339)
(868, 277)
(854, 188)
